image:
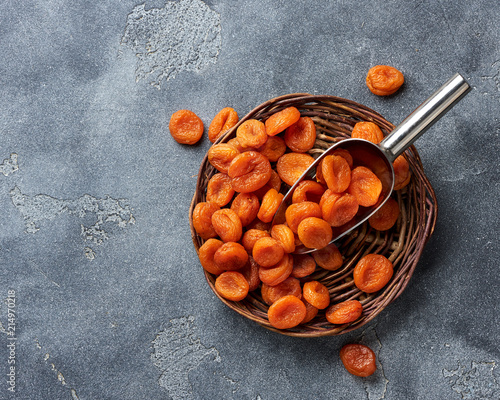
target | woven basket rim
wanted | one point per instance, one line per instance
(424, 204)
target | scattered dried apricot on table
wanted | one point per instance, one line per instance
(185, 127)
(358, 359)
(222, 122)
(384, 80)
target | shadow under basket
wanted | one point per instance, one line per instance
(403, 244)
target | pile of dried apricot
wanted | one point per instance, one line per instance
(247, 254)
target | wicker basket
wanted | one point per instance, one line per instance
(403, 244)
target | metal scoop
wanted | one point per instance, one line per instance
(379, 157)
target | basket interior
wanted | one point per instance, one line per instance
(403, 244)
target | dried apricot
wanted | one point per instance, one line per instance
(284, 235)
(251, 273)
(220, 156)
(227, 224)
(345, 312)
(202, 219)
(316, 294)
(281, 120)
(301, 136)
(231, 256)
(291, 166)
(303, 265)
(237, 145)
(286, 312)
(289, 287)
(185, 127)
(386, 216)
(401, 172)
(249, 171)
(365, 186)
(296, 213)
(311, 312)
(267, 252)
(372, 273)
(315, 233)
(384, 80)
(219, 189)
(222, 122)
(246, 206)
(308, 190)
(329, 257)
(252, 133)
(250, 237)
(206, 256)
(273, 149)
(232, 285)
(358, 359)
(368, 131)
(277, 273)
(336, 173)
(273, 183)
(344, 153)
(339, 209)
(269, 205)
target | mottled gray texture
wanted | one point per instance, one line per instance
(83, 125)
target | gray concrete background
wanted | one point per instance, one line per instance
(110, 302)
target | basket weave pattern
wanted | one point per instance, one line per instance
(403, 244)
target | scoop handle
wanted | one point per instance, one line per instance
(424, 116)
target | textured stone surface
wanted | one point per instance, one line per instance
(95, 244)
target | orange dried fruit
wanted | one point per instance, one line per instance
(251, 273)
(344, 313)
(249, 171)
(273, 183)
(221, 155)
(287, 312)
(308, 190)
(314, 233)
(365, 186)
(386, 216)
(345, 154)
(339, 209)
(206, 256)
(316, 294)
(246, 206)
(296, 213)
(372, 273)
(219, 189)
(222, 122)
(401, 172)
(289, 287)
(276, 274)
(250, 237)
(267, 252)
(336, 173)
(358, 359)
(251, 133)
(202, 219)
(329, 257)
(311, 312)
(273, 149)
(227, 224)
(368, 131)
(269, 205)
(284, 235)
(384, 80)
(303, 265)
(281, 120)
(291, 166)
(301, 136)
(185, 127)
(232, 285)
(231, 256)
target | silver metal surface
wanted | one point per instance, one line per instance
(379, 157)
(428, 113)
